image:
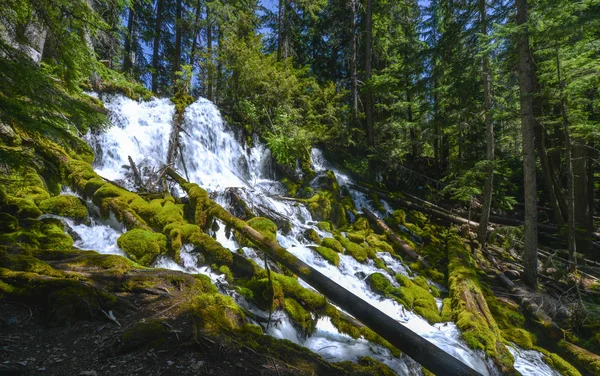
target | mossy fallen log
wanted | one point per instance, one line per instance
(415, 346)
(400, 244)
(470, 310)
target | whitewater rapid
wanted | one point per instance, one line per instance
(215, 160)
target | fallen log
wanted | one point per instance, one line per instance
(399, 243)
(510, 221)
(418, 348)
(451, 218)
(137, 178)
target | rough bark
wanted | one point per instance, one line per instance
(572, 245)
(178, 31)
(399, 243)
(418, 348)
(209, 52)
(353, 59)
(581, 195)
(127, 55)
(156, 44)
(280, 30)
(529, 166)
(196, 32)
(368, 72)
(489, 125)
(136, 174)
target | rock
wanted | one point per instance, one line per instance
(11, 369)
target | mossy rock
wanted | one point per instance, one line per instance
(328, 254)
(34, 234)
(415, 295)
(268, 295)
(216, 313)
(361, 224)
(211, 249)
(325, 226)
(301, 318)
(264, 226)
(353, 249)
(333, 244)
(378, 242)
(145, 334)
(446, 310)
(65, 206)
(312, 235)
(142, 246)
(22, 208)
(379, 283)
(8, 223)
(355, 237)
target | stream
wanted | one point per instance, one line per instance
(215, 160)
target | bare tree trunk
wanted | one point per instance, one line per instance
(178, 31)
(530, 195)
(581, 195)
(368, 72)
(570, 181)
(489, 124)
(353, 58)
(196, 32)
(280, 30)
(155, 47)
(219, 63)
(127, 56)
(209, 53)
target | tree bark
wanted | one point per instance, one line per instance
(280, 30)
(489, 124)
(209, 52)
(368, 73)
(196, 32)
(353, 59)
(400, 244)
(178, 31)
(418, 348)
(529, 167)
(572, 244)
(127, 56)
(580, 186)
(156, 45)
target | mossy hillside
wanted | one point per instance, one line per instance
(65, 206)
(410, 294)
(142, 246)
(470, 310)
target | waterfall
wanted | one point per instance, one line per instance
(215, 159)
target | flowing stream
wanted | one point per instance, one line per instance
(216, 160)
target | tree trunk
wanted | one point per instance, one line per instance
(489, 124)
(581, 195)
(529, 167)
(280, 30)
(572, 245)
(368, 72)
(155, 48)
(353, 59)
(219, 85)
(196, 32)
(127, 56)
(178, 31)
(418, 348)
(209, 53)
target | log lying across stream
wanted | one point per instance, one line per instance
(418, 348)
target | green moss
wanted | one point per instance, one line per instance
(33, 234)
(361, 224)
(8, 223)
(587, 359)
(366, 366)
(562, 366)
(22, 207)
(223, 269)
(353, 249)
(291, 186)
(302, 319)
(325, 226)
(333, 244)
(416, 297)
(312, 235)
(379, 283)
(265, 227)
(446, 310)
(355, 237)
(142, 246)
(328, 254)
(147, 334)
(378, 242)
(519, 336)
(65, 206)
(216, 313)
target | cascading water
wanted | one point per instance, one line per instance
(215, 160)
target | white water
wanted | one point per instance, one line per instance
(216, 160)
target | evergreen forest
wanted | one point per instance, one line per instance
(300, 187)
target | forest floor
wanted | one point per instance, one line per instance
(28, 346)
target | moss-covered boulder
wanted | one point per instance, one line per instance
(328, 254)
(353, 249)
(22, 208)
(65, 206)
(142, 246)
(264, 226)
(333, 244)
(8, 223)
(300, 317)
(312, 235)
